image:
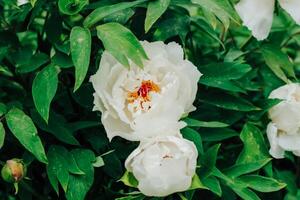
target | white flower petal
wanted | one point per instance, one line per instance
(292, 7)
(163, 165)
(289, 142)
(275, 150)
(257, 15)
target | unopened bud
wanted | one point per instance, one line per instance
(13, 171)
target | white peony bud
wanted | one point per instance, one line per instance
(143, 103)
(284, 130)
(163, 165)
(257, 15)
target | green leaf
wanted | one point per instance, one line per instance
(33, 63)
(245, 168)
(71, 7)
(172, 25)
(227, 101)
(213, 185)
(99, 162)
(61, 164)
(79, 185)
(196, 183)
(121, 43)
(80, 44)
(2, 135)
(203, 25)
(104, 11)
(44, 87)
(24, 130)
(244, 193)
(196, 123)
(3, 109)
(55, 126)
(223, 71)
(221, 75)
(129, 179)
(278, 62)
(62, 60)
(254, 145)
(262, 184)
(208, 160)
(217, 134)
(221, 8)
(193, 136)
(154, 11)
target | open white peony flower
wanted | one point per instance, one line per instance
(257, 15)
(164, 165)
(143, 103)
(284, 130)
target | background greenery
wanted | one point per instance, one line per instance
(48, 50)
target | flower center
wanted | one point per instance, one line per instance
(142, 93)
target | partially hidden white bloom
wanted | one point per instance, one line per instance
(257, 15)
(284, 130)
(163, 165)
(143, 103)
(21, 2)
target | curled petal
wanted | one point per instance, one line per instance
(275, 150)
(257, 15)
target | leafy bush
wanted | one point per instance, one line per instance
(50, 48)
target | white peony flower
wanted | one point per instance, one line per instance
(164, 165)
(257, 15)
(284, 130)
(143, 103)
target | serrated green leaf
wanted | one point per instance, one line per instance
(24, 130)
(44, 87)
(154, 11)
(80, 44)
(121, 43)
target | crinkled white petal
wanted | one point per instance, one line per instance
(289, 142)
(163, 165)
(290, 92)
(292, 7)
(286, 116)
(275, 150)
(257, 15)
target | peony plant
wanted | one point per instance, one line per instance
(149, 99)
